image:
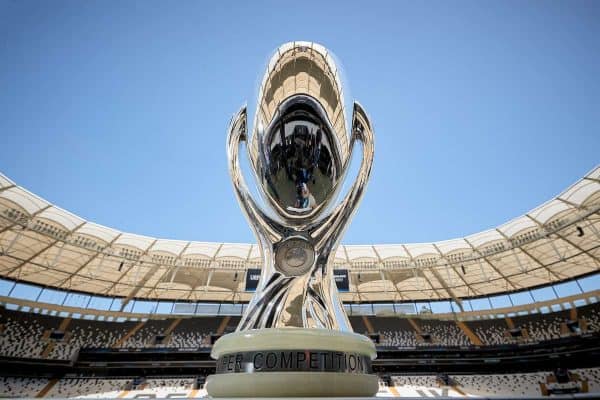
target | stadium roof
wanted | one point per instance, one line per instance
(43, 244)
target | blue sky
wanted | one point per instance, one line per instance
(117, 111)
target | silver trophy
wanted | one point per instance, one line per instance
(300, 151)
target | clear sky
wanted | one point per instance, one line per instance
(117, 111)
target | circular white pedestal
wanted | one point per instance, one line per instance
(290, 383)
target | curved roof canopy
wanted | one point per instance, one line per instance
(43, 244)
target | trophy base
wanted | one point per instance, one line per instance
(293, 362)
(292, 384)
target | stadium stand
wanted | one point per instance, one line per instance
(537, 327)
(147, 334)
(87, 387)
(98, 387)
(189, 339)
(512, 385)
(395, 331)
(108, 339)
(93, 334)
(358, 325)
(178, 383)
(21, 387)
(398, 338)
(523, 384)
(162, 387)
(30, 335)
(21, 339)
(501, 385)
(540, 327)
(492, 331)
(444, 333)
(590, 314)
(25, 334)
(592, 376)
(417, 380)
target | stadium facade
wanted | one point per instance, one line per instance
(91, 311)
(45, 245)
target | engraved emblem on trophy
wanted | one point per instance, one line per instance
(294, 338)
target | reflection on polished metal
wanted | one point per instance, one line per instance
(300, 152)
(294, 360)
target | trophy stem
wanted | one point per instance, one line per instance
(307, 301)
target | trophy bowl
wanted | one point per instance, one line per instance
(294, 338)
(300, 162)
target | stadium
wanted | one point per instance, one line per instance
(91, 311)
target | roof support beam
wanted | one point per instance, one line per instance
(446, 287)
(173, 269)
(235, 289)
(569, 203)
(416, 276)
(7, 187)
(450, 265)
(212, 269)
(488, 262)
(346, 255)
(412, 260)
(556, 275)
(9, 227)
(248, 255)
(521, 267)
(563, 238)
(571, 243)
(31, 258)
(384, 280)
(590, 225)
(460, 277)
(439, 278)
(210, 274)
(12, 242)
(120, 278)
(535, 260)
(383, 274)
(482, 270)
(137, 287)
(18, 267)
(24, 227)
(85, 264)
(54, 262)
(214, 257)
(440, 297)
(398, 292)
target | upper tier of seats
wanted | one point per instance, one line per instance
(32, 335)
(409, 332)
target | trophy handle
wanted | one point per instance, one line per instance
(266, 229)
(330, 230)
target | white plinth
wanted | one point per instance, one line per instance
(292, 383)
